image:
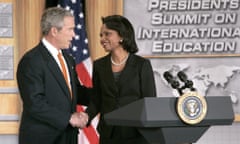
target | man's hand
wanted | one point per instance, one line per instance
(79, 119)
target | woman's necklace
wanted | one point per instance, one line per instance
(121, 63)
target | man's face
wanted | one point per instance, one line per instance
(66, 34)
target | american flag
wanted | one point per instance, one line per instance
(80, 52)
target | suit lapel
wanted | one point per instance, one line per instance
(128, 71)
(54, 69)
(108, 76)
(106, 71)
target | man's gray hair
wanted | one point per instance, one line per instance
(53, 17)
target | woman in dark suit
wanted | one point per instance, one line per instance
(119, 78)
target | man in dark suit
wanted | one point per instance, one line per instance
(49, 99)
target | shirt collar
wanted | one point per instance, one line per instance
(50, 47)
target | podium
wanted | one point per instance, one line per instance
(157, 119)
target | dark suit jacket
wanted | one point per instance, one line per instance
(136, 81)
(47, 105)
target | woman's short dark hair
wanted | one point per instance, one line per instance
(124, 28)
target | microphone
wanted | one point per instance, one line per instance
(182, 76)
(187, 83)
(171, 80)
(168, 76)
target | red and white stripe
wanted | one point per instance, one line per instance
(88, 135)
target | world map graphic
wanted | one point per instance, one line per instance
(204, 79)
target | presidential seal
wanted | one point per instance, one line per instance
(191, 108)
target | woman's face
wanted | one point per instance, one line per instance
(109, 39)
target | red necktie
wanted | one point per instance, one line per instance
(64, 70)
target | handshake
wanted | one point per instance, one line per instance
(79, 119)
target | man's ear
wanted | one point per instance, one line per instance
(54, 31)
